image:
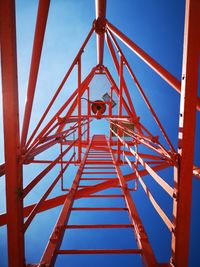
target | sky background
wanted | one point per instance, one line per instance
(157, 27)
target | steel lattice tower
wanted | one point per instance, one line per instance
(99, 156)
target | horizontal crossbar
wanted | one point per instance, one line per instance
(98, 209)
(99, 226)
(100, 251)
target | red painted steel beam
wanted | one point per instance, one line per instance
(59, 112)
(159, 210)
(114, 143)
(49, 256)
(40, 149)
(117, 66)
(186, 135)
(97, 226)
(99, 28)
(143, 243)
(156, 147)
(39, 144)
(121, 79)
(76, 162)
(65, 133)
(79, 110)
(47, 204)
(153, 174)
(110, 107)
(46, 130)
(141, 90)
(42, 16)
(13, 170)
(98, 209)
(72, 108)
(83, 87)
(99, 251)
(2, 169)
(121, 70)
(45, 195)
(145, 57)
(116, 89)
(39, 177)
(61, 85)
(168, 77)
(86, 192)
(60, 135)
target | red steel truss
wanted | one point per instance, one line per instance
(130, 143)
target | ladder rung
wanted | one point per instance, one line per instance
(99, 155)
(100, 251)
(102, 196)
(96, 168)
(98, 172)
(94, 226)
(97, 179)
(99, 158)
(97, 208)
(99, 151)
(102, 162)
(86, 186)
(103, 151)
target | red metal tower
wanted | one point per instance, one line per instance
(98, 156)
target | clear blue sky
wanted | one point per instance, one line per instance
(157, 27)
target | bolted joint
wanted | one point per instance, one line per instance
(155, 139)
(99, 25)
(27, 161)
(173, 229)
(175, 194)
(141, 232)
(61, 120)
(125, 187)
(59, 229)
(19, 193)
(174, 158)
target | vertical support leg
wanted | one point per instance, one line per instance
(187, 120)
(13, 170)
(79, 110)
